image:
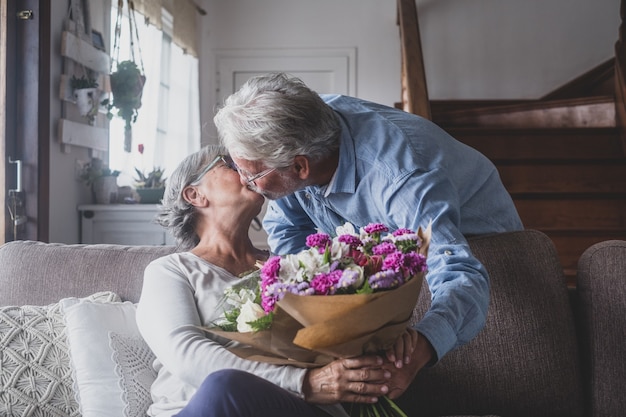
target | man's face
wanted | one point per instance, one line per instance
(272, 183)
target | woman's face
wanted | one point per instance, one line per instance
(222, 186)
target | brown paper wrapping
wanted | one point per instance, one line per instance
(311, 331)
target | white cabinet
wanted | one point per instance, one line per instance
(133, 224)
(123, 224)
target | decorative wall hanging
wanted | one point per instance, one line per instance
(127, 76)
(83, 83)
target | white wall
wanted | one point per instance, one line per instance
(490, 49)
(480, 49)
(66, 192)
(476, 49)
(368, 25)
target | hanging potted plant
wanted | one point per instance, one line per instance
(127, 84)
(85, 92)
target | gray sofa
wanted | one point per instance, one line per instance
(545, 350)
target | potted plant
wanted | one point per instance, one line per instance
(127, 87)
(85, 92)
(102, 180)
(151, 186)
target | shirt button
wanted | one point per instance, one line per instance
(308, 196)
(448, 252)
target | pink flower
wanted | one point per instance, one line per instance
(351, 240)
(394, 261)
(384, 248)
(402, 231)
(318, 240)
(326, 284)
(375, 228)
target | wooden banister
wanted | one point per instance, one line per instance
(620, 76)
(414, 92)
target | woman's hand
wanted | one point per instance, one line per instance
(400, 353)
(358, 380)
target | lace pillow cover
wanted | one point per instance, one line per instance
(35, 373)
(111, 363)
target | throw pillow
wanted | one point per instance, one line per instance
(112, 365)
(35, 373)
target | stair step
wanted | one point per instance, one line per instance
(564, 165)
(591, 178)
(573, 214)
(578, 112)
(501, 145)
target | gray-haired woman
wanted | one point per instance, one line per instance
(209, 212)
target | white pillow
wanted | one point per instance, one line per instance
(35, 376)
(111, 364)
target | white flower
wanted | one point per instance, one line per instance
(238, 298)
(302, 266)
(339, 249)
(312, 260)
(346, 229)
(289, 268)
(250, 311)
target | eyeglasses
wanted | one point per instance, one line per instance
(250, 178)
(220, 158)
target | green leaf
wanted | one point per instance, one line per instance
(262, 323)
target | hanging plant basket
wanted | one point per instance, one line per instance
(127, 84)
(128, 79)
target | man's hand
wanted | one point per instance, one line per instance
(400, 353)
(404, 374)
(357, 380)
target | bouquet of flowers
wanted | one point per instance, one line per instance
(344, 296)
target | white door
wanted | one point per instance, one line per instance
(326, 70)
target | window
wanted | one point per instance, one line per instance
(168, 123)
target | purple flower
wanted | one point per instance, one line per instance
(402, 231)
(318, 240)
(414, 263)
(384, 248)
(269, 270)
(325, 284)
(385, 280)
(349, 278)
(351, 240)
(394, 261)
(375, 228)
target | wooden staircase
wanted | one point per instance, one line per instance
(562, 157)
(569, 182)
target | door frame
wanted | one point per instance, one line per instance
(26, 115)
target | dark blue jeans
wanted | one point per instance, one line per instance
(234, 393)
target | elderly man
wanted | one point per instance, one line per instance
(327, 159)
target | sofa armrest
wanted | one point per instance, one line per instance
(601, 290)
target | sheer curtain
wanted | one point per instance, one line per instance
(168, 124)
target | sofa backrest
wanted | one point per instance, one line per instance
(525, 361)
(36, 273)
(601, 285)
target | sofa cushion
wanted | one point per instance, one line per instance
(601, 287)
(525, 360)
(111, 363)
(72, 270)
(35, 376)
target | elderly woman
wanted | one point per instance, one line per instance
(209, 212)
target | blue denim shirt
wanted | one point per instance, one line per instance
(402, 170)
